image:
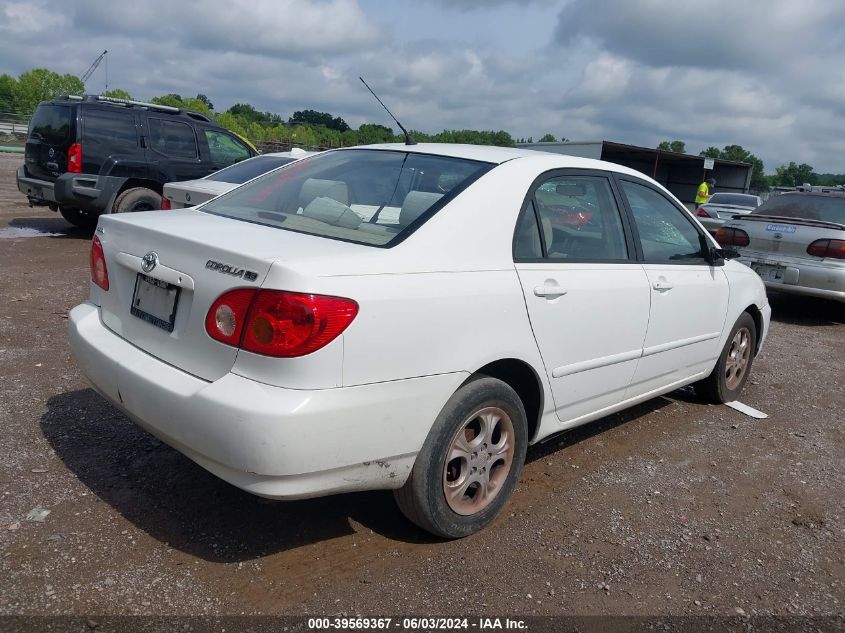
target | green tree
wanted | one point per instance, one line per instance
(41, 84)
(679, 147)
(369, 133)
(319, 118)
(173, 100)
(547, 138)
(117, 93)
(8, 86)
(792, 175)
(206, 101)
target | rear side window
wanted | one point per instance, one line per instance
(805, 207)
(666, 234)
(109, 128)
(366, 196)
(173, 138)
(225, 149)
(249, 169)
(51, 124)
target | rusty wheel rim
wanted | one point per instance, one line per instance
(739, 354)
(478, 461)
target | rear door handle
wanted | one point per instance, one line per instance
(549, 291)
(662, 285)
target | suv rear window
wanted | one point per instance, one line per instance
(373, 197)
(805, 207)
(51, 124)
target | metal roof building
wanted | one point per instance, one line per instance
(679, 173)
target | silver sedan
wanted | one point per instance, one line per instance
(795, 242)
(723, 206)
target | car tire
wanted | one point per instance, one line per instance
(483, 426)
(137, 199)
(84, 220)
(732, 369)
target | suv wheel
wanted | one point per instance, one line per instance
(79, 218)
(137, 199)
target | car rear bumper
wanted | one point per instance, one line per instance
(795, 276)
(274, 442)
(78, 191)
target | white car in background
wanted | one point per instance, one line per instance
(189, 193)
(409, 318)
(724, 206)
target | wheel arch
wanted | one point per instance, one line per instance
(523, 379)
(755, 313)
(131, 183)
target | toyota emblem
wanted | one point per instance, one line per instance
(51, 152)
(149, 261)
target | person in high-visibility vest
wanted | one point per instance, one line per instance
(703, 193)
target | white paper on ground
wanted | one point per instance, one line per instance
(744, 408)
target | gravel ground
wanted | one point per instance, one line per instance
(672, 508)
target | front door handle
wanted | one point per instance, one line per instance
(662, 285)
(549, 291)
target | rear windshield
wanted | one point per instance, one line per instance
(51, 124)
(805, 207)
(372, 197)
(734, 199)
(249, 169)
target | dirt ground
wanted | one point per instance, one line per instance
(672, 508)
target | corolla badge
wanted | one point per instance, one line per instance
(149, 261)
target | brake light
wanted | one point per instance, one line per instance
(727, 236)
(827, 248)
(99, 272)
(226, 316)
(74, 158)
(165, 204)
(702, 213)
(278, 323)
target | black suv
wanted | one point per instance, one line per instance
(91, 155)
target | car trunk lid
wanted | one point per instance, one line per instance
(190, 193)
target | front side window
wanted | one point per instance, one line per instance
(173, 138)
(115, 130)
(579, 219)
(666, 234)
(224, 148)
(365, 196)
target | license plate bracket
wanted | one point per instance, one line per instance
(769, 272)
(155, 302)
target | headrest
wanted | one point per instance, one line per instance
(416, 203)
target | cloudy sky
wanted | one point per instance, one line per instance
(766, 74)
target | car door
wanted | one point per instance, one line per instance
(172, 150)
(689, 296)
(587, 296)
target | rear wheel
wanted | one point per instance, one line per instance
(734, 364)
(470, 462)
(82, 219)
(137, 199)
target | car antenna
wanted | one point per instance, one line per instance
(409, 140)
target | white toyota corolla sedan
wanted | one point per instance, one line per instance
(409, 318)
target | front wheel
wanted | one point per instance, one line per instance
(470, 462)
(734, 364)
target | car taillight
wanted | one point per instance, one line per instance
(99, 272)
(278, 323)
(827, 248)
(702, 213)
(732, 237)
(74, 158)
(165, 204)
(226, 317)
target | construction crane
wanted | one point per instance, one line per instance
(94, 66)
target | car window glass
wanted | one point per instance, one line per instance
(365, 196)
(249, 169)
(172, 138)
(225, 149)
(666, 234)
(582, 217)
(50, 124)
(109, 128)
(827, 208)
(736, 199)
(527, 242)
